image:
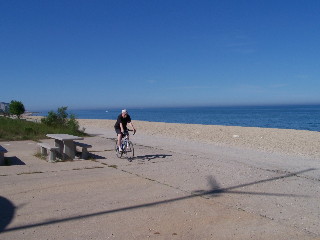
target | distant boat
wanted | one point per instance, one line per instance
(106, 111)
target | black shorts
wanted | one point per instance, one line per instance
(118, 131)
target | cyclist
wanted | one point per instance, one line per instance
(121, 126)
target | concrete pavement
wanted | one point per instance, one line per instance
(173, 189)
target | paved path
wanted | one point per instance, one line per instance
(171, 190)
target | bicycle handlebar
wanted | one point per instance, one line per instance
(129, 130)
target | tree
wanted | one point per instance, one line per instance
(16, 108)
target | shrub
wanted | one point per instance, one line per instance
(56, 119)
(60, 118)
(72, 123)
(51, 119)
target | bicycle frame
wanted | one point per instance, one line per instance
(126, 146)
(124, 141)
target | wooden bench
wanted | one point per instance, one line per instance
(2, 152)
(84, 153)
(44, 147)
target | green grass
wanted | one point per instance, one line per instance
(39, 155)
(113, 166)
(17, 129)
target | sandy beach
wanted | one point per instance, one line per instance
(286, 141)
(295, 142)
(185, 182)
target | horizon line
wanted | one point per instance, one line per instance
(185, 106)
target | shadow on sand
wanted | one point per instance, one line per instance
(216, 191)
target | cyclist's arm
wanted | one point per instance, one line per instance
(134, 130)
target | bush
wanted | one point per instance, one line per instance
(51, 119)
(60, 118)
(72, 123)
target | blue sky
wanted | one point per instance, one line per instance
(159, 53)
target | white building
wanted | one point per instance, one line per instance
(4, 107)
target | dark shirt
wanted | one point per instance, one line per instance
(122, 120)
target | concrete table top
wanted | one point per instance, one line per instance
(64, 137)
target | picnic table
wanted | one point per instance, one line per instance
(65, 142)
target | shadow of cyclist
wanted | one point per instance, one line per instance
(152, 157)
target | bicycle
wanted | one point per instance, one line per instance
(126, 146)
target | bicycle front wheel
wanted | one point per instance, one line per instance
(130, 151)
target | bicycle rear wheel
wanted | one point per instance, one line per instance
(130, 151)
(118, 153)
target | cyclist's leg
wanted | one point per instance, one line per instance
(126, 132)
(119, 137)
